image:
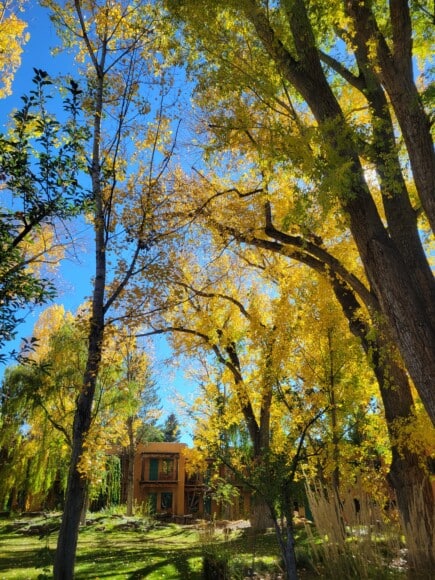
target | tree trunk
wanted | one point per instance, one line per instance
(286, 541)
(85, 506)
(76, 487)
(415, 501)
(408, 477)
(407, 474)
(394, 68)
(259, 515)
(130, 468)
(73, 507)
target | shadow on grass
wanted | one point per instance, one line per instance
(171, 553)
(138, 562)
(27, 559)
(157, 555)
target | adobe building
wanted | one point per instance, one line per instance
(159, 477)
(162, 484)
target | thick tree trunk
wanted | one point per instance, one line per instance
(407, 474)
(407, 320)
(415, 501)
(409, 479)
(259, 515)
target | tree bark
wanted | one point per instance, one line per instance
(407, 475)
(259, 514)
(77, 484)
(130, 469)
(394, 69)
(286, 541)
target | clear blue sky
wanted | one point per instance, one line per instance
(74, 275)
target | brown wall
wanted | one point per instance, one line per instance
(151, 482)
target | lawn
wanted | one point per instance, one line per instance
(121, 548)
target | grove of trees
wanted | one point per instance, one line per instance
(259, 177)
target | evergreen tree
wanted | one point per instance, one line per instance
(171, 429)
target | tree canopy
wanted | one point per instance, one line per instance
(298, 106)
(278, 232)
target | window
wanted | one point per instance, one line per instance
(154, 469)
(167, 469)
(166, 500)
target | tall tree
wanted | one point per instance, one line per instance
(251, 324)
(295, 105)
(327, 75)
(129, 152)
(137, 404)
(231, 215)
(38, 402)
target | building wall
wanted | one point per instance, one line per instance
(160, 475)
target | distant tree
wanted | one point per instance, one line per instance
(148, 432)
(139, 406)
(36, 405)
(171, 429)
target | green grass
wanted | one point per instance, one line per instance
(107, 550)
(119, 548)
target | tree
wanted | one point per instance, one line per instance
(280, 56)
(130, 148)
(38, 403)
(298, 107)
(407, 470)
(264, 382)
(13, 36)
(171, 429)
(39, 189)
(138, 406)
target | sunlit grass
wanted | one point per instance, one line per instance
(120, 548)
(107, 550)
(162, 552)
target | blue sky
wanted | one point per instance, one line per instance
(73, 278)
